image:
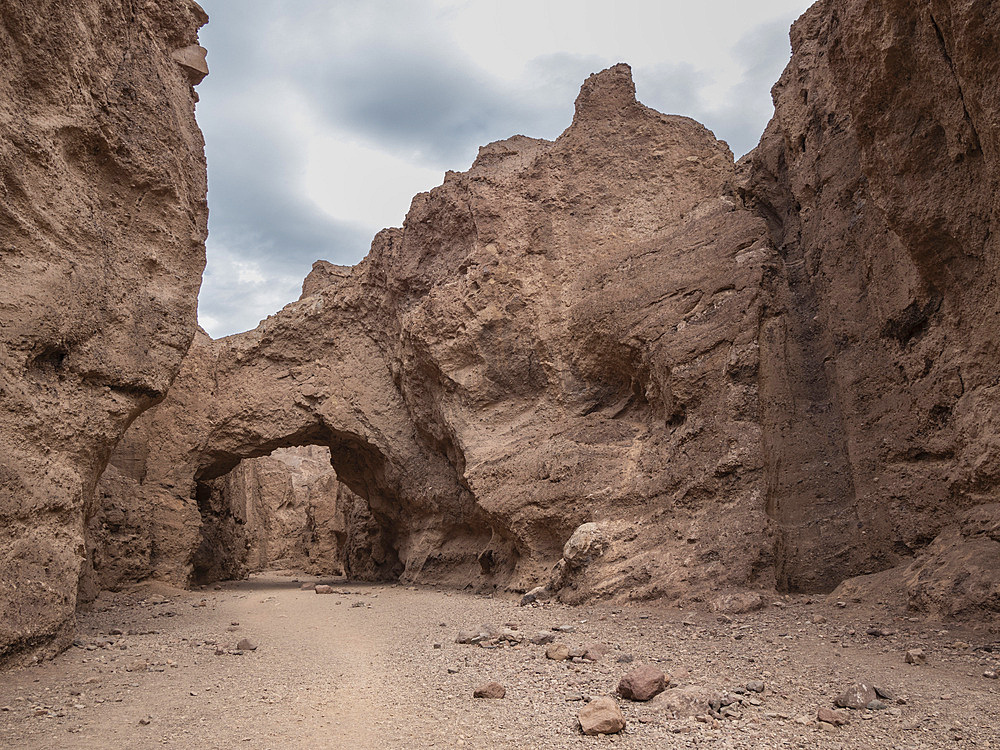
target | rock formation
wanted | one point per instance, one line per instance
(780, 373)
(777, 373)
(879, 382)
(103, 221)
(533, 350)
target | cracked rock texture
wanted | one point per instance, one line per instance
(102, 229)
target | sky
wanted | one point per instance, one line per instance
(323, 118)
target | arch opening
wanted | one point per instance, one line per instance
(303, 506)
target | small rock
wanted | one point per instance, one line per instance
(557, 652)
(493, 690)
(858, 695)
(307, 586)
(642, 683)
(323, 589)
(625, 659)
(836, 717)
(436, 646)
(145, 721)
(587, 543)
(990, 674)
(737, 603)
(819, 619)
(543, 637)
(601, 716)
(539, 593)
(595, 651)
(876, 705)
(683, 702)
(915, 656)
(246, 644)
(755, 686)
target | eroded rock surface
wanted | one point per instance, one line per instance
(878, 176)
(565, 333)
(781, 373)
(102, 229)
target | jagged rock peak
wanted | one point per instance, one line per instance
(607, 94)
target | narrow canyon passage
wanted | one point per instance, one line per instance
(377, 666)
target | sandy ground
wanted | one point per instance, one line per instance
(378, 667)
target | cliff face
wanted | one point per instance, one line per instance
(781, 373)
(565, 333)
(878, 176)
(102, 225)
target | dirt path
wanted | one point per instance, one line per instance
(377, 667)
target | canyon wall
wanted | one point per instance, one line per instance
(102, 228)
(776, 374)
(881, 359)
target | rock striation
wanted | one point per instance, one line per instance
(102, 228)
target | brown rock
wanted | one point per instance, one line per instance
(557, 652)
(684, 702)
(601, 716)
(858, 696)
(915, 656)
(490, 690)
(837, 718)
(246, 644)
(323, 589)
(642, 683)
(101, 253)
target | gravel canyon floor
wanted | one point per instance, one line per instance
(377, 666)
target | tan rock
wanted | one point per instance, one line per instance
(858, 695)
(915, 656)
(557, 652)
(683, 702)
(836, 717)
(104, 220)
(601, 716)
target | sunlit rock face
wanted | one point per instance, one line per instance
(102, 229)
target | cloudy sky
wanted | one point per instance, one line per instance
(323, 118)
